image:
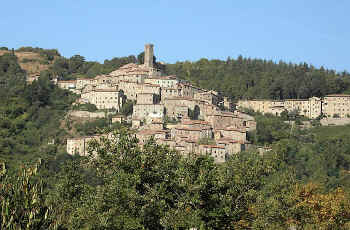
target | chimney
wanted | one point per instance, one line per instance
(148, 55)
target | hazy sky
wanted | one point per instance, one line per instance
(314, 31)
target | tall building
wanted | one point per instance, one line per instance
(149, 55)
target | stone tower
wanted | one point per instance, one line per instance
(149, 55)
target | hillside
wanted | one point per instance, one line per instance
(301, 181)
(237, 78)
(261, 79)
(32, 60)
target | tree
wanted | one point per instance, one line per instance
(23, 206)
(194, 114)
(127, 108)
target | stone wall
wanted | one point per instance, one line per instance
(143, 111)
(87, 114)
(104, 98)
(337, 105)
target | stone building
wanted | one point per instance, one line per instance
(275, 107)
(148, 98)
(145, 134)
(104, 98)
(148, 111)
(217, 152)
(167, 92)
(132, 89)
(155, 124)
(172, 104)
(118, 118)
(163, 81)
(76, 146)
(71, 84)
(311, 108)
(231, 133)
(193, 133)
(103, 79)
(220, 120)
(188, 90)
(227, 103)
(80, 145)
(336, 105)
(231, 146)
(210, 97)
(82, 82)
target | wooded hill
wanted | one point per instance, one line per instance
(262, 79)
(236, 78)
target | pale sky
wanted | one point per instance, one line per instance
(312, 31)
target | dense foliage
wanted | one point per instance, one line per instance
(76, 66)
(121, 186)
(30, 114)
(96, 126)
(256, 78)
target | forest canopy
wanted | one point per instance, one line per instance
(261, 79)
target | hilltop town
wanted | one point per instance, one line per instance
(176, 113)
(202, 120)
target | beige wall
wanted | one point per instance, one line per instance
(164, 82)
(311, 107)
(147, 98)
(208, 97)
(67, 84)
(104, 99)
(141, 111)
(336, 105)
(217, 152)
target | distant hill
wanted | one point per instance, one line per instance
(236, 78)
(33, 60)
(261, 79)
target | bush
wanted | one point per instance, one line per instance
(86, 107)
(92, 127)
(26, 60)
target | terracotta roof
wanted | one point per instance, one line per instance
(192, 129)
(192, 122)
(226, 140)
(151, 132)
(213, 146)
